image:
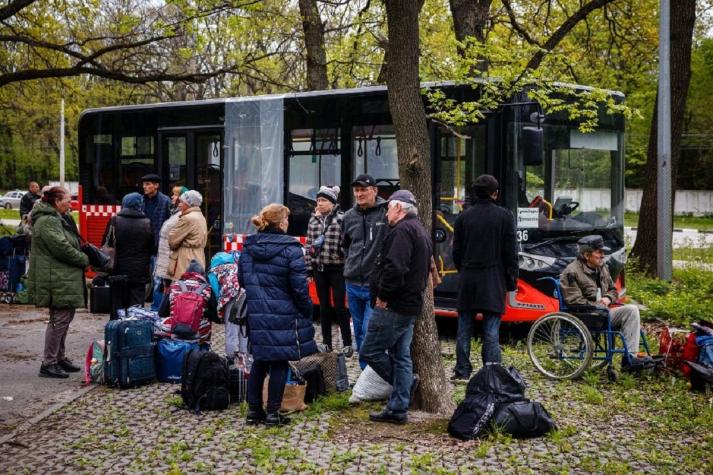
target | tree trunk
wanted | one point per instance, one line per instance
(314, 44)
(414, 156)
(469, 20)
(683, 18)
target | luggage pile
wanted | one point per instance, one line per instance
(689, 352)
(495, 401)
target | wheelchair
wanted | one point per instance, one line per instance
(565, 344)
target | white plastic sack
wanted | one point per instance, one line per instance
(370, 387)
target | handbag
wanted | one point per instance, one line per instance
(98, 259)
(524, 419)
(109, 246)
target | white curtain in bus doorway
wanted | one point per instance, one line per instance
(254, 159)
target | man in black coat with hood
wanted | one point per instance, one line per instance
(486, 256)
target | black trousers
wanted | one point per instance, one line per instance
(124, 295)
(330, 283)
(275, 387)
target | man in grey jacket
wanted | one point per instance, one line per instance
(364, 229)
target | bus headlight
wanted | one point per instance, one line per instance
(534, 262)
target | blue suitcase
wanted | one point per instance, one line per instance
(169, 359)
(130, 353)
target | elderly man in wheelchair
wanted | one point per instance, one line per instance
(587, 282)
(585, 331)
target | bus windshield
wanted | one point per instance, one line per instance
(576, 186)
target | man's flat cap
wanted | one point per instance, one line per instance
(593, 242)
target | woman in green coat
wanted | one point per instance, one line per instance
(56, 276)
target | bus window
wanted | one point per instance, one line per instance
(314, 160)
(573, 188)
(99, 153)
(137, 158)
(374, 152)
(175, 150)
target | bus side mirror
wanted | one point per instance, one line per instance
(532, 145)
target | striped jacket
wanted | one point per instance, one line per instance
(331, 252)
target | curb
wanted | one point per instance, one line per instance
(47, 412)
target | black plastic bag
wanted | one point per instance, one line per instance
(524, 419)
(471, 418)
(506, 383)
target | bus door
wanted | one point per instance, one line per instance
(195, 159)
(460, 158)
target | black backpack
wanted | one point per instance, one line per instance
(205, 380)
(523, 419)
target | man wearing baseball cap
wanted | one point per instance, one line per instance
(586, 282)
(397, 284)
(364, 228)
(157, 207)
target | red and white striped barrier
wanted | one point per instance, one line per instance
(234, 242)
(94, 211)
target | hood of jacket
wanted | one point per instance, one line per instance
(131, 213)
(266, 245)
(379, 203)
(43, 209)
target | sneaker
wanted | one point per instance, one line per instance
(633, 364)
(322, 348)
(387, 416)
(348, 351)
(52, 371)
(67, 365)
(255, 417)
(276, 419)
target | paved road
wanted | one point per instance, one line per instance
(23, 394)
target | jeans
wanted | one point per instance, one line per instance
(491, 337)
(157, 282)
(391, 332)
(330, 283)
(359, 298)
(275, 387)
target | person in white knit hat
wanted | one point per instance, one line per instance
(188, 237)
(325, 264)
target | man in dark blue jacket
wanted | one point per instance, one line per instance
(397, 286)
(157, 207)
(485, 254)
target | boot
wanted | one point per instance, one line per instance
(67, 365)
(52, 371)
(254, 417)
(276, 419)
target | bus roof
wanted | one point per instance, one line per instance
(300, 95)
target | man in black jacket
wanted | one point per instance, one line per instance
(485, 254)
(29, 198)
(397, 286)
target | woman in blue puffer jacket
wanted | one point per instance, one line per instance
(272, 272)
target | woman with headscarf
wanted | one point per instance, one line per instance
(164, 251)
(130, 234)
(56, 276)
(189, 236)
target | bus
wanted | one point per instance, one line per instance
(243, 153)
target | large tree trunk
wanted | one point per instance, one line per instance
(314, 44)
(414, 156)
(469, 20)
(683, 18)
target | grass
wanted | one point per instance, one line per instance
(631, 219)
(680, 302)
(694, 254)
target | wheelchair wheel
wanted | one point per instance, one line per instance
(560, 346)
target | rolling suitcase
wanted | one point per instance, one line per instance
(129, 353)
(100, 299)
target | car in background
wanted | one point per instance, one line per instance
(11, 199)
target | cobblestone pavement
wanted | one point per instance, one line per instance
(649, 425)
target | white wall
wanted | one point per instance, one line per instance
(696, 202)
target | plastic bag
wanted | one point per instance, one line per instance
(370, 387)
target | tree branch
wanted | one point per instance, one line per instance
(14, 7)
